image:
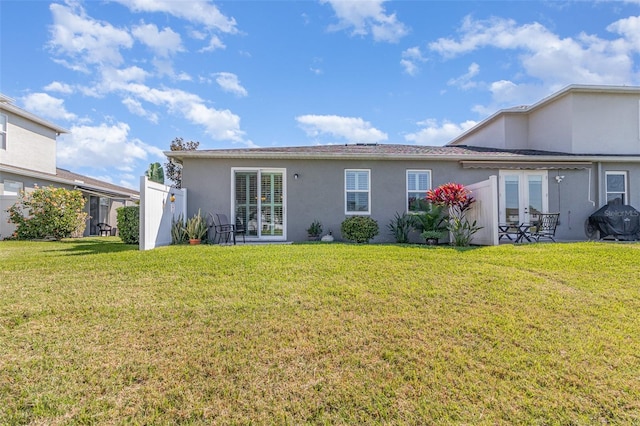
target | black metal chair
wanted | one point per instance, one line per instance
(224, 229)
(104, 229)
(240, 229)
(546, 227)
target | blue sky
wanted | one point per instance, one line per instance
(126, 77)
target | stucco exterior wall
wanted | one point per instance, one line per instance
(550, 128)
(606, 123)
(25, 137)
(318, 193)
(492, 135)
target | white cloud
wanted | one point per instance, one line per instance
(434, 133)
(551, 61)
(163, 43)
(410, 59)
(85, 40)
(367, 17)
(103, 146)
(229, 83)
(629, 28)
(219, 124)
(135, 107)
(56, 86)
(465, 81)
(350, 128)
(47, 106)
(214, 44)
(196, 11)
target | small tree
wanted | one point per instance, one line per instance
(174, 169)
(458, 200)
(48, 213)
(155, 173)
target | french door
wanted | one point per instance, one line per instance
(523, 195)
(259, 202)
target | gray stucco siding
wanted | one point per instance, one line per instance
(319, 192)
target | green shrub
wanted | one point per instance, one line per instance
(129, 224)
(359, 229)
(400, 226)
(48, 213)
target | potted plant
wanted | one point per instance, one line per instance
(314, 230)
(196, 228)
(432, 236)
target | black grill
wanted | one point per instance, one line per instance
(618, 221)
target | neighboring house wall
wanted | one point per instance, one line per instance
(23, 139)
(6, 228)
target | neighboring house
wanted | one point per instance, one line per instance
(28, 159)
(570, 153)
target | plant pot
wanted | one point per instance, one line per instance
(313, 238)
(194, 241)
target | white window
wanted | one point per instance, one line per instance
(3, 131)
(11, 187)
(357, 194)
(418, 182)
(616, 187)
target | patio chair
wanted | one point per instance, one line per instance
(546, 227)
(224, 229)
(240, 228)
(104, 229)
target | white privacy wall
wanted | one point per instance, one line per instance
(157, 212)
(485, 211)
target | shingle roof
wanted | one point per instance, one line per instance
(372, 151)
(83, 182)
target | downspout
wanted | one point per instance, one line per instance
(593, 203)
(599, 184)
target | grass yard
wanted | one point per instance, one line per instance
(94, 331)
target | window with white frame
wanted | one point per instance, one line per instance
(616, 187)
(3, 131)
(418, 182)
(11, 187)
(356, 191)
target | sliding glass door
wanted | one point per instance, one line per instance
(259, 200)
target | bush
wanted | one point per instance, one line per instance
(129, 224)
(48, 213)
(359, 229)
(400, 226)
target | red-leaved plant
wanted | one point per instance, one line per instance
(458, 200)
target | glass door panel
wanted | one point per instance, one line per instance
(271, 190)
(512, 199)
(246, 195)
(534, 196)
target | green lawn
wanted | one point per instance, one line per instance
(94, 331)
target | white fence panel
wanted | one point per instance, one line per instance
(485, 211)
(6, 228)
(157, 211)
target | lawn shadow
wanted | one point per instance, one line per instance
(90, 245)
